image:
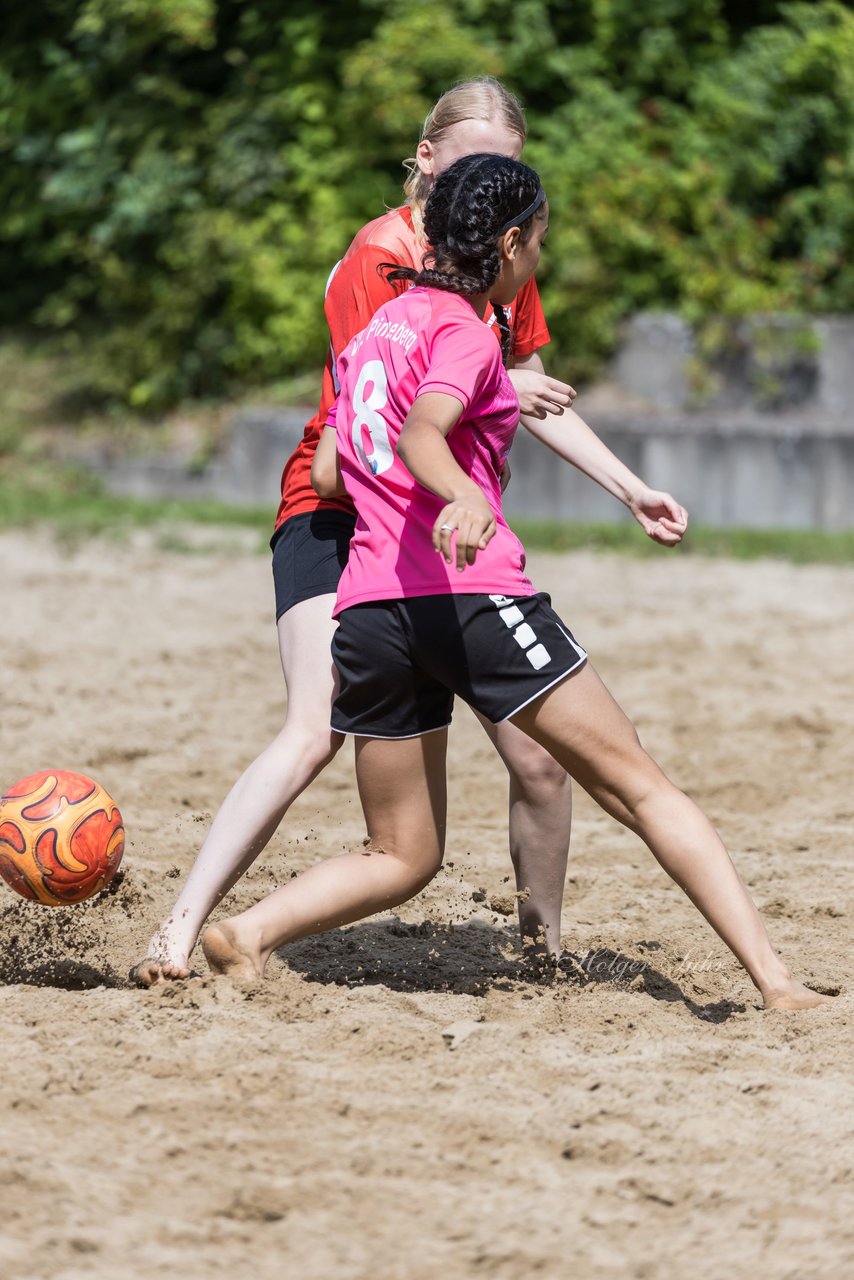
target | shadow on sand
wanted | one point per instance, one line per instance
(63, 974)
(472, 959)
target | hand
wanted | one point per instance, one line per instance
(539, 394)
(472, 520)
(660, 516)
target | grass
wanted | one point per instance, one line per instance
(799, 546)
(74, 506)
(83, 508)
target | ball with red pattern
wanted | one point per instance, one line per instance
(61, 837)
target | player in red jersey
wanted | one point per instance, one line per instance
(310, 547)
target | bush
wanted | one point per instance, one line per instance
(179, 176)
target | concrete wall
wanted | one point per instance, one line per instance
(730, 474)
(767, 441)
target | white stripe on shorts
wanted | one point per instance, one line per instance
(524, 635)
(582, 657)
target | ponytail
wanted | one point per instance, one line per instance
(472, 204)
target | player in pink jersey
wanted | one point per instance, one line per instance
(423, 423)
(396, 357)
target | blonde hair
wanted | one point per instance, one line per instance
(483, 98)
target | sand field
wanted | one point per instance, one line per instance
(404, 1099)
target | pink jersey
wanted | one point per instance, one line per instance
(426, 340)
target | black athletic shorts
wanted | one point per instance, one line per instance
(402, 661)
(309, 555)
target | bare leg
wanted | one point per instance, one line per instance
(587, 732)
(540, 823)
(403, 792)
(259, 799)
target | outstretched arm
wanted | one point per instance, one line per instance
(423, 449)
(659, 515)
(543, 402)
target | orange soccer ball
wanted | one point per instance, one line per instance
(61, 837)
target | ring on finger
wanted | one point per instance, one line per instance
(448, 527)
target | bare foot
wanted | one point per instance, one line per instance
(536, 946)
(795, 996)
(230, 955)
(152, 970)
(164, 963)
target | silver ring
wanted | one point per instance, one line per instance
(449, 527)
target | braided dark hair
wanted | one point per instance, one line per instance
(472, 203)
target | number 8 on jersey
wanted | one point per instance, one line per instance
(369, 431)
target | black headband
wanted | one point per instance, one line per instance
(519, 218)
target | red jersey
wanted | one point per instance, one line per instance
(355, 291)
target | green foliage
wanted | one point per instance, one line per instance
(177, 177)
(189, 21)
